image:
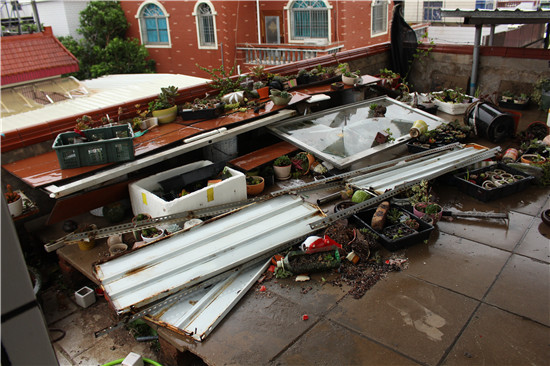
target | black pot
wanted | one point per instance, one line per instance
(490, 122)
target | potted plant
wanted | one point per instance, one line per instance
(507, 96)
(389, 78)
(262, 89)
(541, 93)
(152, 233)
(135, 222)
(279, 97)
(534, 159)
(350, 78)
(164, 107)
(282, 166)
(522, 99)
(14, 200)
(254, 185)
(422, 202)
(301, 163)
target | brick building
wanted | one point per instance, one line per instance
(181, 34)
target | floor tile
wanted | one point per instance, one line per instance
(255, 331)
(400, 309)
(496, 337)
(458, 264)
(497, 233)
(528, 201)
(343, 347)
(536, 243)
(318, 294)
(523, 288)
(56, 305)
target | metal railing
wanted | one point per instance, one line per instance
(281, 56)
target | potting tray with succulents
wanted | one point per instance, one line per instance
(192, 111)
(492, 182)
(98, 146)
(401, 229)
(443, 134)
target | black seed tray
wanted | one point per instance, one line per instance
(362, 219)
(486, 195)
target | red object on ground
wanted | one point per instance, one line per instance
(305, 317)
(262, 289)
(271, 268)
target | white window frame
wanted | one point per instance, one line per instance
(288, 9)
(142, 30)
(375, 3)
(197, 24)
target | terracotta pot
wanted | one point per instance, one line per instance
(263, 93)
(528, 159)
(166, 115)
(282, 172)
(255, 189)
(418, 211)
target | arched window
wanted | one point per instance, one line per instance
(309, 19)
(206, 24)
(154, 25)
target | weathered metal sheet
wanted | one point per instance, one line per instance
(197, 314)
(382, 180)
(184, 260)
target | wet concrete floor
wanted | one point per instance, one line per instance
(476, 293)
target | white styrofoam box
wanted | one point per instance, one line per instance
(84, 297)
(229, 190)
(452, 108)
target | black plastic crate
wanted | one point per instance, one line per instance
(363, 218)
(208, 113)
(486, 195)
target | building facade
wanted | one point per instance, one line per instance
(182, 34)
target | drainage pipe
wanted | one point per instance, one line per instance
(258, 20)
(36, 16)
(475, 61)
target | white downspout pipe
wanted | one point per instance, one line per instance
(258, 20)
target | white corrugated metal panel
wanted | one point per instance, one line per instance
(382, 180)
(104, 92)
(198, 313)
(181, 261)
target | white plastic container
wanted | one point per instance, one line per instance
(143, 199)
(452, 108)
(84, 297)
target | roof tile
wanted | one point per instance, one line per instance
(34, 56)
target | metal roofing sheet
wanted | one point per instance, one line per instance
(107, 91)
(181, 261)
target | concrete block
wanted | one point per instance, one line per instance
(85, 297)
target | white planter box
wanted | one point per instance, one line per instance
(229, 190)
(84, 297)
(452, 108)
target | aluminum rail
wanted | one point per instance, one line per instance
(479, 155)
(105, 176)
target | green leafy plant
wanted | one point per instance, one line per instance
(390, 135)
(420, 193)
(542, 85)
(283, 160)
(253, 180)
(83, 123)
(166, 98)
(394, 215)
(222, 80)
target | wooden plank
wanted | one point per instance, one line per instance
(262, 156)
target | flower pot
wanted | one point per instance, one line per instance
(282, 172)
(166, 115)
(263, 93)
(255, 189)
(117, 248)
(16, 207)
(419, 208)
(532, 159)
(86, 244)
(135, 220)
(279, 100)
(149, 239)
(349, 80)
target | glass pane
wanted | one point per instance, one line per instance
(346, 134)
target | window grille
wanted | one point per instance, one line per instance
(432, 10)
(154, 25)
(309, 19)
(205, 20)
(379, 16)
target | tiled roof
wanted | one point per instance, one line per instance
(34, 56)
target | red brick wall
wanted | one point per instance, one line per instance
(236, 23)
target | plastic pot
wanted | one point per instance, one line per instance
(489, 121)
